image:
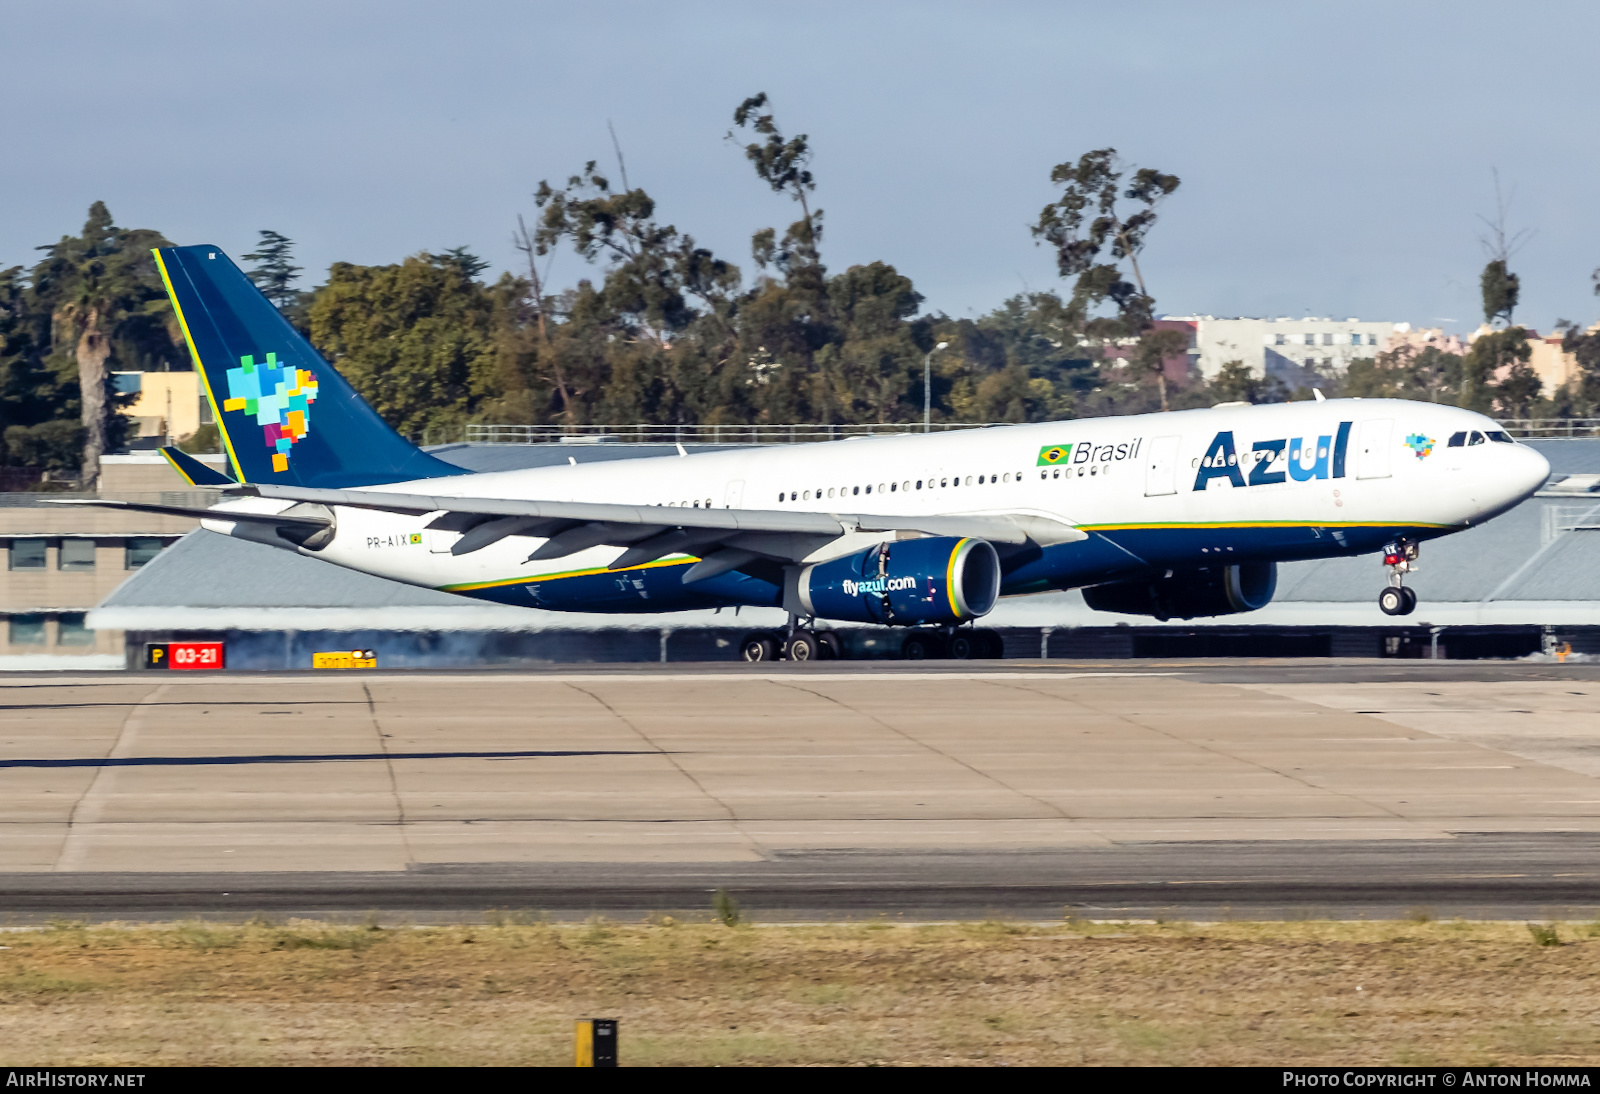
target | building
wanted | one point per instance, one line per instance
(167, 406)
(60, 561)
(1296, 351)
(1554, 366)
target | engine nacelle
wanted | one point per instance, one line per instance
(1221, 590)
(904, 582)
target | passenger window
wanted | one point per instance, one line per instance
(1476, 438)
(906, 485)
(1458, 439)
(892, 486)
(880, 488)
(944, 482)
(969, 480)
(1008, 476)
(919, 484)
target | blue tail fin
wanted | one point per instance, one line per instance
(285, 415)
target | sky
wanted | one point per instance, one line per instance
(1336, 157)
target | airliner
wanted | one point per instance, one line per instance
(1174, 515)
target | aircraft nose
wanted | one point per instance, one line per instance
(1526, 470)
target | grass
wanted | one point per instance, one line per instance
(1415, 992)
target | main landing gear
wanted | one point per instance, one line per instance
(793, 643)
(1397, 599)
(802, 642)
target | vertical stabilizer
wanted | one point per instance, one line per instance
(285, 415)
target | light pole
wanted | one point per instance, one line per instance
(927, 387)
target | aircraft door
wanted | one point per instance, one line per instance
(733, 496)
(1161, 467)
(1372, 449)
(439, 541)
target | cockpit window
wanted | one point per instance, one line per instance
(1457, 440)
(1498, 437)
(1476, 438)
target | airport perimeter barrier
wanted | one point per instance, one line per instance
(1552, 427)
(690, 434)
(801, 433)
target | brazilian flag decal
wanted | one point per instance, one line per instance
(1053, 453)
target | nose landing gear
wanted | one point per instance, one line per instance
(1397, 599)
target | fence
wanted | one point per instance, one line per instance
(1552, 427)
(800, 434)
(1560, 519)
(691, 434)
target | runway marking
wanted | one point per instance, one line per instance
(91, 807)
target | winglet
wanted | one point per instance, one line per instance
(193, 471)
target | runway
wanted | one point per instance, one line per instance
(1177, 789)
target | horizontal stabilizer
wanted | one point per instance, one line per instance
(304, 520)
(193, 471)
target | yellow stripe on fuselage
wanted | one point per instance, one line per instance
(199, 366)
(1159, 525)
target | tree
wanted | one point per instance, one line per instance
(106, 298)
(1491, 355)
(416, 339)
(273, 274)
(1151, 355)
(785, 166)
(1500, 287)
(874, 364)
(1086, 220)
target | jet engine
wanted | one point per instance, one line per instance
(902, 582)
(1185, 594)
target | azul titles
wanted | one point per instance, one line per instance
(1269, 462)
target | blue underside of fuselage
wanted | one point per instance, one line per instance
(1112, 554)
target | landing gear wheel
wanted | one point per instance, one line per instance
(989, 644)
(1411, 599)
(758, 647)
(964, 646)
(1392, 601)
(832, 648)
(921, 647)
(803, 646)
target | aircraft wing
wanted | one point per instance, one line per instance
(724, 539)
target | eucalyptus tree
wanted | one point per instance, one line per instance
(106, 303)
